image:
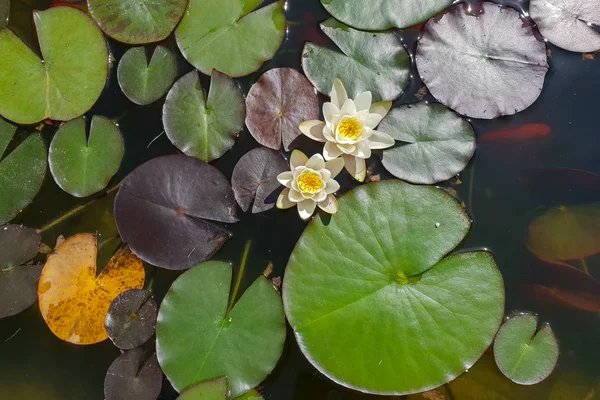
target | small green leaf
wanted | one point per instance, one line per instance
(21, 172)
(203, 127)
(208, 390)
(384, 14)
(437, 143)
(374, 304)
(137, 21)
(197, 339)
(70, 78)
(83, 166)
(230, 36)
(524, 356)
(145, 83)
(375, 62)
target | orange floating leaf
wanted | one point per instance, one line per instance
(73, 300)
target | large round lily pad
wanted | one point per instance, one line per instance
(482, 60)
(143, 82)
(566, 232)
(82, 165)
(437, 143)
(375, 62)
(231, 36)
(523, 355)
(71, 76)
(197, 338)
(568, 23)
(133, 376)
(22, 171)
(167, 211)
(384, 14)
(203, 126)
(18, 280)
(137, 21)
(374, 304)
(276, 106)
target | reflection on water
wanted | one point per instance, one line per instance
(497, 187)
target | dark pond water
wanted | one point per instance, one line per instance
(36, 365)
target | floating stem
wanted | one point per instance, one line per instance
(238, 280)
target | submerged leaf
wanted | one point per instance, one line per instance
(437, 143)
(200, 126)
(71, 76)
(131, 319)
(482, 63)
(375, 62)
(566, 233)
(143, 82)
(524, 356)
(133, 376)
(276, 106)
(82, 165)
(228, 36)
(21, 172)
(198, 339)
(568, 23)
(18, 280)
(374, 304)
(137, 21)
(165, 211)
(73, 300)
(208, 390)
(254, 179)
(384, 14)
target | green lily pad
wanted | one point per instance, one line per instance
(67, 82)
(251, 395)
(374, 304)
(566, 233)
(438, 144)
(231, 36)
(375, 62)
(4, 12)
(524, 356)
(197, 338)
(568, 23)
(21, 172)
(18, 279)
(200, 126)
(145, 83)
(506, 62)
(215, 389)
(137, 21)
(83, 166)
(384, 14)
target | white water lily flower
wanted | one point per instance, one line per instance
(310, 184)
(349, 129)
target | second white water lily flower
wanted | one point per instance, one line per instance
(310, 184)
(349, 129)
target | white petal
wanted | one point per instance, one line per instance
(381, 108)
(331, 151)
(373, 120)
(347, 148)
(363, 150)
(306, 209)
(335, 166)
(329, 205)
(332, 186)
(295, 196)
(285, 178)
(338, 93)
(356, 167)
(283, 201)
(313, 129)
(330, 110)
(325, 173)
(380, 140)
(322, 195)
(328, 132)
(349, 108)
(363, 101)
(316, 162)
(297, 159)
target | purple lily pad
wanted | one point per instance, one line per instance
(131, 319)
(133, 376)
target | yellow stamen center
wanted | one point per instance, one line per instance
(350, 128)
(310, 182)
